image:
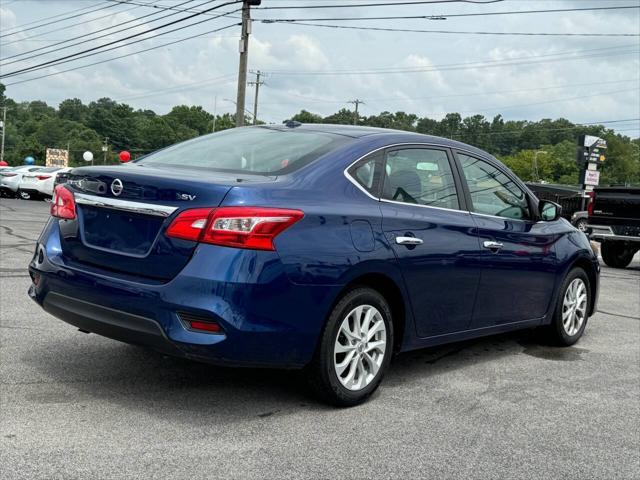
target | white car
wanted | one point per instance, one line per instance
(10, 178)
(39, 183)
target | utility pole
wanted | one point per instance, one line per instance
(4, 127)
(257, 83)
(105, 148)
(356, 102)
(244, 58)
(215, 108)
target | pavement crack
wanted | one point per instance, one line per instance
(613, 314)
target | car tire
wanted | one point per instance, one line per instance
(348, 377)
(571, 313)
(24, 195)
(581, 224)
(616, 254)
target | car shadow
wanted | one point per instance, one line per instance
(139, 379)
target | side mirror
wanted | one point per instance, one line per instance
(549, 211)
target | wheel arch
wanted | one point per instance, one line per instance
(392, 292)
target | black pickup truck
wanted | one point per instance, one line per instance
(614, 220)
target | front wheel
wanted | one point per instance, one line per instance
(571, 312)
(581, 225)
(355, 348)
(617, 254)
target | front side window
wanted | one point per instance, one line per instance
(492, 192)
(420, 176)
(256, 150)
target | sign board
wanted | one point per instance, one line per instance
(590, 141)
(592, 177)
(57, 157)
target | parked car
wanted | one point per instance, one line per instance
(10, 179)
(327, 248)
(39, 183)
(614, 220)
(571, 198)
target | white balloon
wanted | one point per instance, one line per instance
(87, 156)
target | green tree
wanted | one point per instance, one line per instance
(304, 116)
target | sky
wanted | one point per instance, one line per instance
(582, 78)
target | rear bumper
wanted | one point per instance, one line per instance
(266, 320)
(108, 322)
(603, 232)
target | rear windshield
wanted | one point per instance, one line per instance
(255, 150)
(50, 169)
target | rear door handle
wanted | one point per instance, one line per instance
(408, 241)
(493, 246)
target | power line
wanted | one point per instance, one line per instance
(566, 99)
(176, 88)
(90, 38)
(452, 32)
(516, 61)
(66, 27)
(446, 16)
(476, 94)
(48, 20)
(122, 56)
(388, 4)
(87, 52)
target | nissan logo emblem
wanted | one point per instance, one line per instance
(117, 187)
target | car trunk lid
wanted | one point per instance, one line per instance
(123, 211)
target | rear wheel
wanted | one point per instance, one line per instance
(355, 349)
(24, 195)
(617, 254)
(571, 312)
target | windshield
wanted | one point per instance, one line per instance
(255, 150)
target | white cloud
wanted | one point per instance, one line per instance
(286, 47)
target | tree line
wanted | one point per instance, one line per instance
(34, 126)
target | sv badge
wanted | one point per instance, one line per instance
(185, 196)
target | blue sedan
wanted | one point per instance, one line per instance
(328, 248)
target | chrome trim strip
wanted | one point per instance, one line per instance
(126, 205)
(466, 212)
(605, 232)
(361, 188)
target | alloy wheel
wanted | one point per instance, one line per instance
(360, 347)
(574, 307)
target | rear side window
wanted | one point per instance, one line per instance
(367, 173)
(420, 176)
(492, 192)
(261, 150)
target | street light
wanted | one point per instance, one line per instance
(534, 167)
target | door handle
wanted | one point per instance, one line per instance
(408, 241)
(493, 246)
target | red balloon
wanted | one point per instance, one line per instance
(125, 156)
(3, 163)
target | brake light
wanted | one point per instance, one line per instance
(63, 204)
(241, 227)
(9, 174)
(43, 177)
(592, 201)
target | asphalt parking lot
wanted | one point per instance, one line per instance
(80, 406)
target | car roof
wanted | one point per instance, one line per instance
(395, 136)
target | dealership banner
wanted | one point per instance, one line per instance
(57, 157)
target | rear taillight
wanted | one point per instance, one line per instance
(9, 174)
(241, 227)
(63, 204)
(43, 177)
(592, 200)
